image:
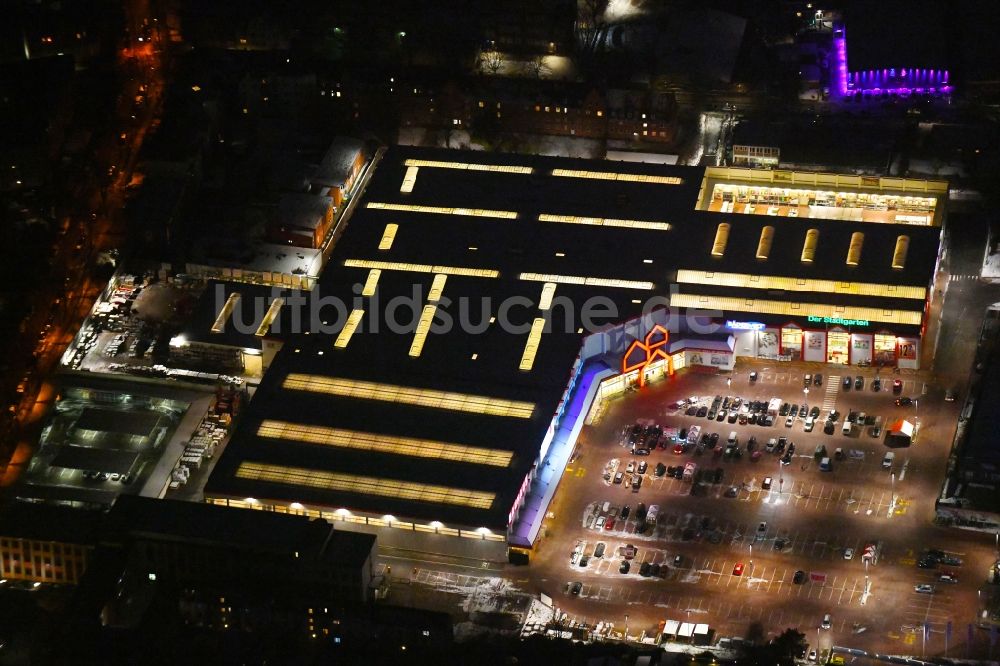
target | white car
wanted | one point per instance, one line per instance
(794, 212)
(848, 553)
(924, 588)
(773, 210)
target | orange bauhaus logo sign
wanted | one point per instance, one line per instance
(642, 354)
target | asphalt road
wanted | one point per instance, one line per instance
(817, 515)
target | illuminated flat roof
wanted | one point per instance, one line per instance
(435, 231)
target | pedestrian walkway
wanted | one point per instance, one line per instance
(832, 390)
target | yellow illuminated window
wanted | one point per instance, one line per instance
(589, 281)
(854, 251)
(604, 222)
(531, 346)
(382, 443)
(809, 246)
(764, 245)
(225, 312)
(351, 325)
(423, 328)
(409, 180)
(364, 485)
(443, 210)
(503, 168)
(548, 291)
(721, 240)
(628, 177)
(731, 304)
(272, 312)
(388, 236)
(421, 268)
(371, 282)
(747, 281)
(437, 286)
(899, 253)
(430, 398)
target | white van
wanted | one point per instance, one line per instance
(888, 459)
(848, 426)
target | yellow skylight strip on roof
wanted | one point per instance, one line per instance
(430, 398)
(371, 282)
(764, 244)
(382, 443)
(351, 325)
(721, 240)
(225, 312)
(503, 168)
(748, 281)
(900, 251)
(269, 316)
(364, 485)
(437, 286)
(604, 222)
(760, 306)
(423, 328)
(444, 210)
(809, 246)
(548, 291)
(409, 180)
(628, 177)
(854, 251)
(388, 236)
(531, 345)
(589, 281)
(421, 268)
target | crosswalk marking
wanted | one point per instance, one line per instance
(832, 389)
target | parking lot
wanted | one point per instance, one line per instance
(734, 572)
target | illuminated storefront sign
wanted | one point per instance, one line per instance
(838, 320)
(744, 325)
(641, 354)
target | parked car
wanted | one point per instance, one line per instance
(847, 383)
(904, 402)
(624, 567)
(876, 385)
(738, 569)
(599, 550)
(766, 483)
(799, 577)
(660, 469)
(897, 386)
(753, 376)
(618, 478)
(924, 588)
(859, 382)
(818, 379)
(848, 553)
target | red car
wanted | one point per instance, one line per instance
(609, 524)
(678, 449)
(897, 386)
(738, 569)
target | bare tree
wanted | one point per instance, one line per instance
(493, 60)
(537, 67)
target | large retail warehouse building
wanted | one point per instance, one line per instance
(454, 437)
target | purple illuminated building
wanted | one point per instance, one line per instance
(901, 81)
